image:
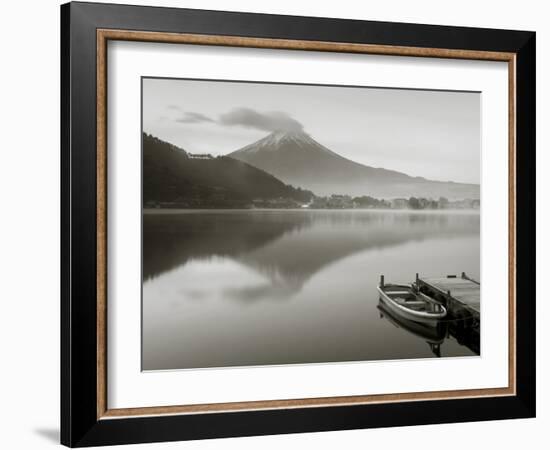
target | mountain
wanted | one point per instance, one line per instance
(174, 178)
(298, 159)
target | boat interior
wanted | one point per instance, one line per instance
(406, 296)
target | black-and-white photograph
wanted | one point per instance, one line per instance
(299, 224)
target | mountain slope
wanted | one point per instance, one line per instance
(171, 176)
(298, 159)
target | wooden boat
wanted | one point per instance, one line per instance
(406, 301)
(424, 331)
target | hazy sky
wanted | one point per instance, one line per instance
(432, 134)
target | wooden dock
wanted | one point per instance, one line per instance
(459, 294)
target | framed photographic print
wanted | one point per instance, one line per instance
(277, 224)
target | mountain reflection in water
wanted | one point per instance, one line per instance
(230, 288)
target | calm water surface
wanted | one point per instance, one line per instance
(237, 288)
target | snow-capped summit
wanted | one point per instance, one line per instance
(281, 138)
(296, 158)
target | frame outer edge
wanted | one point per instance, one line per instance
(79, 428)
(65, 335)
(79, 251)
(526, 224)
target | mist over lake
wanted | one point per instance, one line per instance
(260, 287)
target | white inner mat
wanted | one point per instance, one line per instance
(129, 387)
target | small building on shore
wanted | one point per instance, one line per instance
(200, 156)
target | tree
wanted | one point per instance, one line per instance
(414, 203)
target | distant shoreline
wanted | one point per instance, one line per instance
(159, 211)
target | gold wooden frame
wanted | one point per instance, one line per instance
(103, 36)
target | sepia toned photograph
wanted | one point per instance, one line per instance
(301, 224)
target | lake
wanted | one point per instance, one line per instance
(258, 287)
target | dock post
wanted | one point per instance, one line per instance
(381, 281)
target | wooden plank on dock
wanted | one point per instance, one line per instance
(463, 290)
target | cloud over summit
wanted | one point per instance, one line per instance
(267, 121)
(245, 117)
